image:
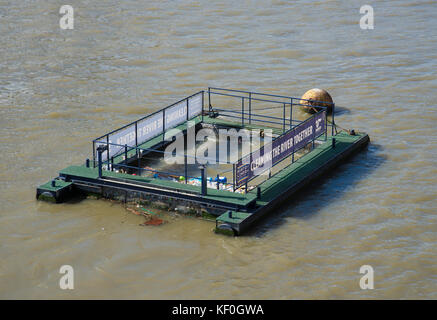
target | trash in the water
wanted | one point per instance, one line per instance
(134, 211)
(152, 219)
(153, 222)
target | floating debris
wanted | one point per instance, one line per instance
(151, 217)
(153, 222)
(134, 211)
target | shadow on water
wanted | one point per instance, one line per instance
(322, 191)
(341, 110)
(76, 198)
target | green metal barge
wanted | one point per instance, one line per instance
(298, 152)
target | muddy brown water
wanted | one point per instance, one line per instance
(59, 89)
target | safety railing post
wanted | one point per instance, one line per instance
(203, 179)
(209, 100)
(139, 165)
(233, 177)
(185, 168)
(333, 121)
(291, 113)
(163, 124)
(242, 111)
(250, 107)
(138, 161)
(94, 153)
(314, 136)
(203, 94)
(136, 138)
(107, 147)
(283, 120)
(326, 126)
(125, 153)
(99, 159)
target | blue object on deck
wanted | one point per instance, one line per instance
(221, 179)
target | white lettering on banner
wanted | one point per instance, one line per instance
(127, 139)
(287, 144)
(121, 138)
(303, 134)
(318, 127)
(281, 147)
(148, 128)
(195, 105)
(259, 162)
(176, 114)
(151, 126)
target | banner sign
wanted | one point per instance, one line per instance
(267, 156)
(241, 173)
(175, 115)
(195, 105)
(122, 137)
(150, 127)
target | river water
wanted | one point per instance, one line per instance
(59, 89)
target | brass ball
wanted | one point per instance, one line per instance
(316, 98)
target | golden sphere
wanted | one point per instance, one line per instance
(316, 98)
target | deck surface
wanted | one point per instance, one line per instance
(59, 184)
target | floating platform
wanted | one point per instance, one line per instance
(116, 170)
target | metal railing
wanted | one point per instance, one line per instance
(132, 130)
(111, 165)
(247, 159)
(245, 108)
(135, 138)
